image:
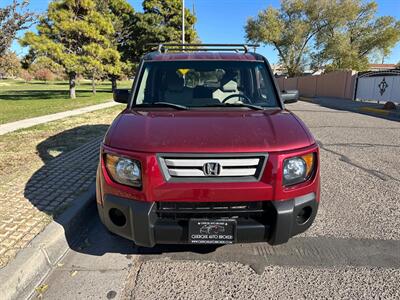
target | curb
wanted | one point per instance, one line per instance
(366, 110)
(25, 272)
(381, 112)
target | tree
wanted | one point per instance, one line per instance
(68, 33)
(123, 20)
(351, 45)
(10, 65)
(293, 27)
(114, 68)
(161, 21)
(13, 18)
(100, 61)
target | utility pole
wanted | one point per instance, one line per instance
(194, 14)
(183, 21)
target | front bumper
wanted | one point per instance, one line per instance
(145, 227)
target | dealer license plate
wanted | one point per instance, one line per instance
(206, 231)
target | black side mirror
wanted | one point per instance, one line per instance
(121, 95)
(290, 96)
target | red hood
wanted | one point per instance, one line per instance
(208, 131)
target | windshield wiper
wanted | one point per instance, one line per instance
(248, 105)
(251, 106)
(165, 104)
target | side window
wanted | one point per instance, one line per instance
(143, 83)
(262, 86)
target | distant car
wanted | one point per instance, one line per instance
(205, 138)
(290, 96)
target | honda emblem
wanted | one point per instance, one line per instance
(212, 169)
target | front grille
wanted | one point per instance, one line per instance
(187, 210)
(212, 167)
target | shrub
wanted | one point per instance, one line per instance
(44, 75)
(26, 75)
(389, 105)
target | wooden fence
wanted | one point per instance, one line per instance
(338, 84)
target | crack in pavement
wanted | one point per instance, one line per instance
(378, 174)
(132, 280)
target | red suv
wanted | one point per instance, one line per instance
(206, 153)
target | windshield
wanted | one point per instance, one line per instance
(206, 83)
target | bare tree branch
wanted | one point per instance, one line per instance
(13, 18)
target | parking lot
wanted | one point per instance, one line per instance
(352, 251)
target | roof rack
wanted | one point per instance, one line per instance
(162, 48)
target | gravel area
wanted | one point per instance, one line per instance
(209, 280)
(360, 173)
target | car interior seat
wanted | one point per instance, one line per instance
(229, 88)
(175, 90)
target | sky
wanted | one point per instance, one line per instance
(222, 21)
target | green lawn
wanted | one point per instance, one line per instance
(20, 100)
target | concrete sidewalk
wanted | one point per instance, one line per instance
(369, 108)
(13, 126)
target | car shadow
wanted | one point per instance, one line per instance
(52, 189)
(96, 240)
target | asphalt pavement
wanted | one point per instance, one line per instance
(352, 251)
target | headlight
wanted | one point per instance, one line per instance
(298, 169)
(124, 170)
